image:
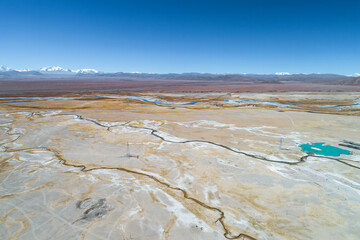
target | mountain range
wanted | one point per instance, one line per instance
(278, 77)
(46, 70)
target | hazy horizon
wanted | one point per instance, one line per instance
(4, 68)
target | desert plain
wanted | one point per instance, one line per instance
(150, 165)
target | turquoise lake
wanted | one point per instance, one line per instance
(325, 150)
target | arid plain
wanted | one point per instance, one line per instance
(179, 166)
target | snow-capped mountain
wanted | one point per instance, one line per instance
(4, 69)
(23, 70)
(282, 73)
(60, 70)
(55, 70)
(86, 71)
(52, 71)
(8, 72)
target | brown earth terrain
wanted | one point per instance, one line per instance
(16, 87)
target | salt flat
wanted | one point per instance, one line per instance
(179, 166)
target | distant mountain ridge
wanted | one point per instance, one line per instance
(66, 70)
(51, 70)
(55, 70)
(87, 73)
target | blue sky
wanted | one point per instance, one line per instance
(239, 36)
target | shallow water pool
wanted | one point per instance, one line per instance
(321, 149)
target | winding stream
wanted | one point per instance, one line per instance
(159, 101)
(227, 233)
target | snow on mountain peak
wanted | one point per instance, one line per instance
(282, 73)
(54, 69)
(66, 70)
(4, 69)
(86, 71)
(60, 70)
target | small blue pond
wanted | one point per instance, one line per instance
(325, 150)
